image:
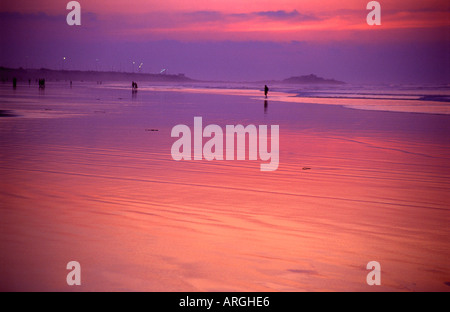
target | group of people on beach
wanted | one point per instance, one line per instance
(134, 85)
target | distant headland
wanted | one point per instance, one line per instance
(311, 79)
(21, 74)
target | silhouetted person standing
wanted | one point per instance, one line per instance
(134, 87)
(266, 90)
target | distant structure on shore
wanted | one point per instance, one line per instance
(7, 74)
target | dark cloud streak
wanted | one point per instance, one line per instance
(283, 15)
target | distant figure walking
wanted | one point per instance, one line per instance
(14, 82)
(41, 83)
(266, 90)
(134, 86)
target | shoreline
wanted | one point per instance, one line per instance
(425, 103)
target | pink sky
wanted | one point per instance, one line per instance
(249, 20)
(419, 24)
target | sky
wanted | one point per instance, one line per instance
(235, 40)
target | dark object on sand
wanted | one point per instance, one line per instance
(6, 113)
(306, 168)
(134, 86)
(266, 90)
(152, 130)
(14, 82)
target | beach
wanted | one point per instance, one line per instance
(87, 175)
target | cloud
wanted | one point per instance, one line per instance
(284, 15)
(214, 25)
(204, 16)
(280, 15)
(41, 17)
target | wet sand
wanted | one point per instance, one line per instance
(83, 178)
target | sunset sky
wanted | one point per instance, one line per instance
(234, 40)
